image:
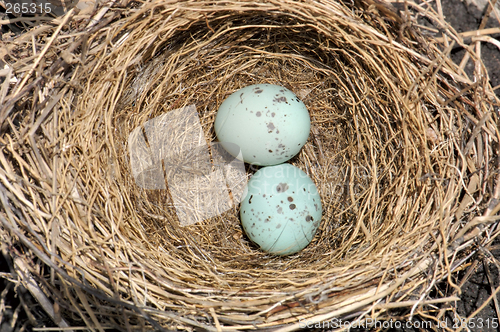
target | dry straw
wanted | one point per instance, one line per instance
(402, 149)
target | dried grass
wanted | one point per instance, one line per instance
(404, 150)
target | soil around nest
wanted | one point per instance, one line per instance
(464, 18)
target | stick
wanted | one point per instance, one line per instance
(473, 33)
(45, 49)
(30, 284)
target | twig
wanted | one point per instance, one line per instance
(77, 328)
(48, 261)
(487, 39)
(66, 18)
(30, 284)
(492, 287)
(216, 320)
(416, 302)
(94, 20)
(478, 310)
(473, 33)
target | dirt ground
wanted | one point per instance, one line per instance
(464, 18)
(475, 291)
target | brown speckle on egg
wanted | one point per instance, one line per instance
(290, 198)
(281, 188)
(292, 206)
(309, 218)
(259, 114)
(270, 127)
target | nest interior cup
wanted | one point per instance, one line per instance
(399, 157)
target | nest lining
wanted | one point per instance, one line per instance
(385, 151)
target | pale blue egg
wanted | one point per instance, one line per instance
(281, 209)
(267, 122)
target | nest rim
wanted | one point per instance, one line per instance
(170, 271)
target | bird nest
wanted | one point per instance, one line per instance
(401, 149)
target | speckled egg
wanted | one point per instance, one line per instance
(281, 209)
(267, 122)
